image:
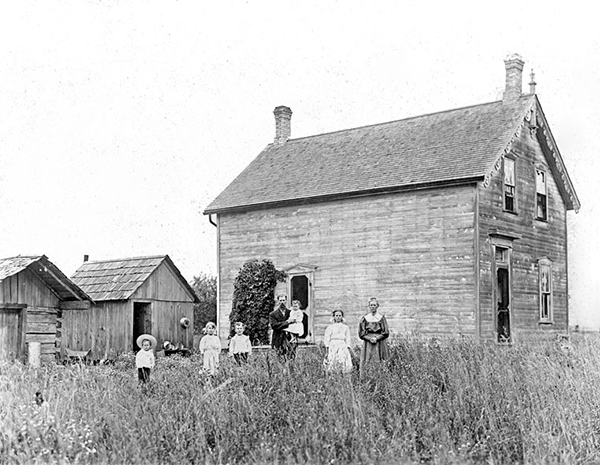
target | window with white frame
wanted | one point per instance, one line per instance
(545, 286)
(541, 194)
(509, 185)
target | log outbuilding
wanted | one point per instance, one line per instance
(33, 292)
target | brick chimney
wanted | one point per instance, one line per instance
(283, 126)
(514, 77)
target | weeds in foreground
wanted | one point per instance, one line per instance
(452, 402)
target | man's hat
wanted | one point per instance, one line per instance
(151, 338)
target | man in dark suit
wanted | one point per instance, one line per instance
(279, 319)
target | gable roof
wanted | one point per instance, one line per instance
(118, 279)
(46, 271)
(460, 145)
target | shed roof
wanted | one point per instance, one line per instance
(46, 271)
(118, 279)
(460, 145)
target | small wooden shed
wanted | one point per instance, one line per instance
(32, 292)
(132, 296)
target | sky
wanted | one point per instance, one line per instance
(120, 121)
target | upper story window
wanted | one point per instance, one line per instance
(510, 202)
(541, 194)
(545, 280)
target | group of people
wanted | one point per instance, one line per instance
(373, 330)
(287, 326)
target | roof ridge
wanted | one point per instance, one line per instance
(22, 256)
(144, 257)
(423, 115)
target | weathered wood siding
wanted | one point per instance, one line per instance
(165, 322)
(162, 285)
(170, 303)
(537, 239)
(42, 305)
(107, 327)
(414, 251)
(12, 331)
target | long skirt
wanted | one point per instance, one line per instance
(338, 357)
(210, 361)
(372, 354)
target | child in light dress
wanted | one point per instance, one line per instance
(210, 347)
(239, 346)
(338, 342)
(296, 329)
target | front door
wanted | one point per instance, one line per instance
(142, 321)
(300, 287)
(502, 291)
(503, 309)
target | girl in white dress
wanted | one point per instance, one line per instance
(338, 342)
(210, 347)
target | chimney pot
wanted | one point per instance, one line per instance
(86, 258)
(283, 126)
(514, 77)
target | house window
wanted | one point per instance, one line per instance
(541, 195)
(509, 185)
(545, 278)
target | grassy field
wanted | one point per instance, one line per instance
(452, 403)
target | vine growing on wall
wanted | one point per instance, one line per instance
(254, 298)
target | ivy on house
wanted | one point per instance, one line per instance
(254, 298)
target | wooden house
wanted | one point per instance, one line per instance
(32, 293)
(456, 221)
(132, 296)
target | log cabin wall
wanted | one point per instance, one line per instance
(414, 251)
(42, 308)
(536, 239)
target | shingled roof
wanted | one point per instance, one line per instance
(46, 271)
(460, 145)
(118, 279)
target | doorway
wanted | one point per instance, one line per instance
(503, 310)
(142, 321)
(300, 287)
(12, 334)
(502, 292)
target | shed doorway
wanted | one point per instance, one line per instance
(12, 331)
(142, 321)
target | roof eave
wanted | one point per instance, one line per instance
(343, 195)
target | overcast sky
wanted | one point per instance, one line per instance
(121, 120)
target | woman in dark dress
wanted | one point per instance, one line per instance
(373, 330)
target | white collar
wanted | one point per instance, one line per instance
(373, 318)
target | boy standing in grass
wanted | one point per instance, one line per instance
(239, 346)
(144, 359)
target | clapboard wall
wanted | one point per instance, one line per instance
(534, 239)
(414, 251)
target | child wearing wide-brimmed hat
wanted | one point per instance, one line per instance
(144, 359)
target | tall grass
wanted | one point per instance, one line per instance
(450, 402)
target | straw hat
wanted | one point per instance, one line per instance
(151, 338)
